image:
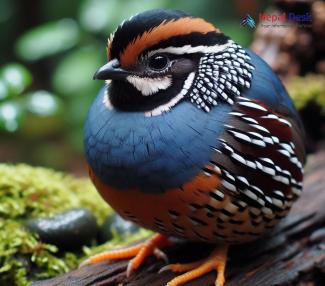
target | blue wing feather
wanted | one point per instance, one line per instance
(267, 88)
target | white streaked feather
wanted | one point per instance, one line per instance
(252, 105)
(188, 49)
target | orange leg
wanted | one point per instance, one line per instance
(139, 253)
(216, 261)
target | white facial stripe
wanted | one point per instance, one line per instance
(188, 49)
(166, 107)
(149, 86)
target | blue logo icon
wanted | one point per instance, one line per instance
(248, 21)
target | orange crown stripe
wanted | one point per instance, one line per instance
(164, 31)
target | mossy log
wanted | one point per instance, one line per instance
(293, 254)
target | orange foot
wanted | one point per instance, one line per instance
(216, 261)
(138, 253)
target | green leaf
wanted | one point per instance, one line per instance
(73, 75)
(48, 39)
(4, 92)
(44, 115)
(130, 8)
(97, 15)
(10, 116)
(43, 103)
(102, 16)
(14, 78)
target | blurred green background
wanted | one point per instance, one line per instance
(50, 50)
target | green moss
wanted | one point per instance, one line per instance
(307, 89)
(28, 192)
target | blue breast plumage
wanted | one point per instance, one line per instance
(129, 149)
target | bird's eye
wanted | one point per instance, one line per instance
(158, 62)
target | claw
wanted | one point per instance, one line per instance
(157, 252)
(129, 269)
(160, 255)
(165, 268)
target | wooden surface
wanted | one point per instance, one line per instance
(293, 254)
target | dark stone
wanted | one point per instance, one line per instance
(69, 230)
(114, 224)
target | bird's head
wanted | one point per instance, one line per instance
(159, 58)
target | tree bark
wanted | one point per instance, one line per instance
(293, 254)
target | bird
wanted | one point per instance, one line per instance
(193, 137)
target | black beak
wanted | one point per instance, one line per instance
(111, 70)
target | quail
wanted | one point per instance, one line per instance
(192, 137)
